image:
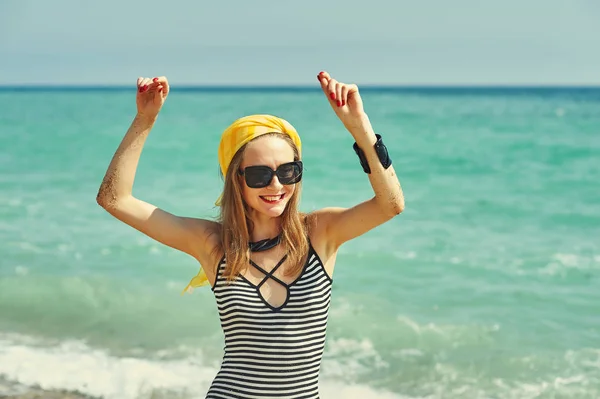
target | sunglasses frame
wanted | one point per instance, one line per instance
(299, 164)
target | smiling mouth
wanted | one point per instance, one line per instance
(272, 199)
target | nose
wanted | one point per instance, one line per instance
(275, 184)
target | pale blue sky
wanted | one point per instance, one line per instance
(257, 42)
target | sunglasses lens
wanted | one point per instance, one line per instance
(258, 176)
(289, 173)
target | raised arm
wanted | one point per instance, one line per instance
(343, 224)
(192, 236)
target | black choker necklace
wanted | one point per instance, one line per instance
(265, 244)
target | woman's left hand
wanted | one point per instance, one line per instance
(345, 101)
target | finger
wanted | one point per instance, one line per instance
(154, 84)
(331, 89)
(159, 89)
(325, 75)
(157, 96)
(338, 93)
(162, 80)
(323, 82)
(151, 85)
(140, 84)
(322, 77)
(344, 94)
(352, 89)
(144, 85)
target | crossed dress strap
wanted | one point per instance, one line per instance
(270, 274)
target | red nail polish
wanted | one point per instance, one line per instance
(332, 95)
(155, 80)
(339, 103)
(343, 103)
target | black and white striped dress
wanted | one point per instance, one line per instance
(272, 352)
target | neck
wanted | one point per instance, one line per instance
(264, 227)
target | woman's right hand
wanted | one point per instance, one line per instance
(151, 95)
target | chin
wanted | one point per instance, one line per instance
(272, 210)
(273, 213)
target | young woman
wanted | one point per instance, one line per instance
(269, 265)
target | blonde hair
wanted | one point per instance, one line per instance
(236, 226)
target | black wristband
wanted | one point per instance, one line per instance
(380, 150)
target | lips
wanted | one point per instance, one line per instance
(272, 199)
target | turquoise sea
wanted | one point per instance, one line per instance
(487, 286)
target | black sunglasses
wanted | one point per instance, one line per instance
(260, 176)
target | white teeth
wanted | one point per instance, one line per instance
(272, 198)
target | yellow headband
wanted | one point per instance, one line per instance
(248, 128)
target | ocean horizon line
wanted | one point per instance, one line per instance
(306, 88)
